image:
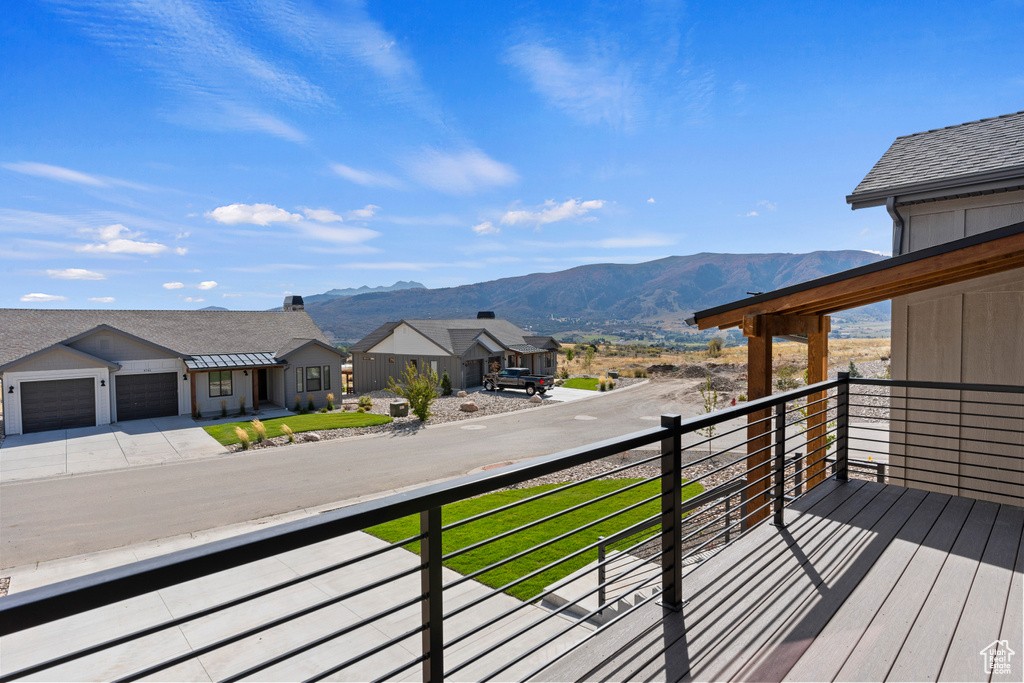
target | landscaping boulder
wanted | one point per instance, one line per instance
(536, 399)
(469, 407)
(312, 436)
(399, 408)
(462, 394)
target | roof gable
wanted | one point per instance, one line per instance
(81, 357)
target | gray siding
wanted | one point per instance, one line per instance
(312, 356)
(115, 347)
(56, 359)
(370, 371)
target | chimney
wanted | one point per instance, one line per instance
(293, 303)
(485, 315)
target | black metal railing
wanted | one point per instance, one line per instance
(456, 603)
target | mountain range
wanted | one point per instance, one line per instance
(659, 293)
(355, 291)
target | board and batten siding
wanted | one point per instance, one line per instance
(116, 347)
(370, 371)
(971, 332)
(312, 356)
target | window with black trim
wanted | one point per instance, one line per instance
(313, 378)
(327, 377)
(298, 380)
(220, 383)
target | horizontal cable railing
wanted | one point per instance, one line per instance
(497, 574)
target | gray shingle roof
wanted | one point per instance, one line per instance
(946, 154)
(454, 335)
(24, 331)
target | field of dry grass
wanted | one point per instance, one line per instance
(841, 352)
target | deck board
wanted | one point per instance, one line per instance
(1012, 630)
(982, 614)
(866, 582)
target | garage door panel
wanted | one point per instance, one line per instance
(58, 404)
(147, 395)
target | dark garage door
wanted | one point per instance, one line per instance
(473, 372)
(148, 395)
(58, 404)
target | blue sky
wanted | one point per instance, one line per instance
(181, 154)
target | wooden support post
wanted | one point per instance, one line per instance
(759, 385)
(192, 390)
(817, 425)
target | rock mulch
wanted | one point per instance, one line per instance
(5, 583)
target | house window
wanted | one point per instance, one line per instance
(298, 381)
(313, 378)
(433, 366)
(511, 362)
(327, 377)
(220, 383)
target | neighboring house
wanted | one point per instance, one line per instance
(63, 369)
(464, 348)
(941, 186)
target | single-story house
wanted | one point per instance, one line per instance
(62, 369)
(464, 348)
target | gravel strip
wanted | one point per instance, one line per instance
(5, 583)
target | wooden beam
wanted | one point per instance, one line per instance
(995, 256)
(817, 371)
(256, 389)
(192, 390)
(759, 385)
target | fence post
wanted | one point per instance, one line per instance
(780, 463)
(842, 426)
(431, 586)
(671, 513)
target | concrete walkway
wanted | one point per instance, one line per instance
(68, 635)
(106, 447)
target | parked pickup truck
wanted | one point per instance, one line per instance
(519, 378)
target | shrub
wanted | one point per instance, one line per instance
(714, 347)
(365, 402)
(888, 372)
(601, 386)
(223, 408)
(243, 437)
(417, 387)
(640, 373)
(298, 405)
(446, 384)
(260, 430)
(330, 402)
(741, 397)
(786, 378)
(710, 396)
(611, 385)
(854, 372)
(360, 409)
(288, 432)
(241, 405)
(310, 404)
(569, 355)
(199, 414)
(588, 359)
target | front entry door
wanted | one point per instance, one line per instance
(261, 384)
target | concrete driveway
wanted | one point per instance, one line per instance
(107, 447)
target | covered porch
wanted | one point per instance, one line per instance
(232, 380)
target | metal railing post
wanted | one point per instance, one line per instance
(600, 574)
(431, 585)
(842, 426)
(672, 514)
(780, 463)
(728, 519)
(799, 474)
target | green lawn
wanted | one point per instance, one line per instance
(497, 523)
(581, 383)
(225, 433)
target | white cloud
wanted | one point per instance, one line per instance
(590, 89)
(486, 228)
(461, 172)
(254, 214)
(194, 300)
(322, 215)
(750, 214)
(651, 200)
(117, 239)
(342, 235)
(75, 274)
(631, 242)
(67, 175)
(36, 298)
(102, 299)
(365, 178)
(770, 206)
(209, 284)
(365, 213)
(180, 251)
(173, 285)
(552, 212)
(864, 231)
(886, 254)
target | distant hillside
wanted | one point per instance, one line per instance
(666, 290)
(213, 308)
(354, 291)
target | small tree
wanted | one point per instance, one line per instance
(417, 387)
(854, 372)
(714, 347)
(786, 378)
(710, 397)
(446, 384)
(569, 355)
(588, 359)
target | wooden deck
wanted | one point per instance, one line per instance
(867, 582)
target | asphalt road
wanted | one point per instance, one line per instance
(65, 516)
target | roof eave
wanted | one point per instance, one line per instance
(990, 181)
